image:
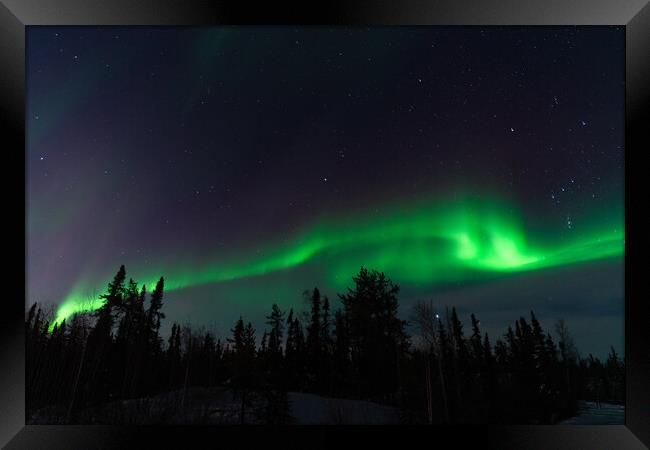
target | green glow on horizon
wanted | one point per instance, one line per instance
(426, 242)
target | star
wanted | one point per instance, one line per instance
(345, 113)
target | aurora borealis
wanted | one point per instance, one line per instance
(427, 245)
(248, 164)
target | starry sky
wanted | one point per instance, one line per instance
(478, 167)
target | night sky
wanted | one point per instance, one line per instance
(479, 167)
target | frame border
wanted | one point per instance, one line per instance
(15, 15)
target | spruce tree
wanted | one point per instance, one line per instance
(314, 334)
(112, 299)
(326, 337)
(290, 345)
(375, 332)
(457, 336)
(501, 353)
(325, 369)
(341, 351)
(237, 339)
(100, 338)
(538, 337)
(263, 345)
(276, 321)
(477, 346)
(154, 313)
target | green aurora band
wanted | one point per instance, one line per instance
(426, 242)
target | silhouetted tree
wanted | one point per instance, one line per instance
(154, 313)
(341, 356)
(100, 337)
(376, 333)
(477, 346)
(314, 338)
(276, 322)
(76, 367)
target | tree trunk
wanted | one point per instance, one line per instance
(76, 381)
(444, 390)
(428, 386)
(187, 375)
(242, 412)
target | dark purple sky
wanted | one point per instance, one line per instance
(159, 148)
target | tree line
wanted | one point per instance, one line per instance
(439, 373)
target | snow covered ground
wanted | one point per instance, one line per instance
(590, 414)
(311, 409)
(220, 406)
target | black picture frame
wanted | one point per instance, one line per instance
(15, 15)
